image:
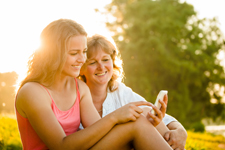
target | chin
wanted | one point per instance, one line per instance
(75, 75)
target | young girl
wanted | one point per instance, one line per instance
(101, 72)
(51, 102)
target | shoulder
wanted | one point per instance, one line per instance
(31, 95)
(121, 91)
(126, 94)
(83, 88)
(82, 85)
(30, 89)
(123, 88)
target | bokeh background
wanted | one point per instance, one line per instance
(175, 45)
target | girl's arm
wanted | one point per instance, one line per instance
(34, 103)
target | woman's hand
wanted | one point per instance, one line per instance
(177, 135)
(160, 113)
(129, 112)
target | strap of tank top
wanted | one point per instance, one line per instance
(78, 93)
(47, 91)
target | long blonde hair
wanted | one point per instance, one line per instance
(49, 59)
(100, 42)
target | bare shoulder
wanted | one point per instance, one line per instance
(82, 86)
(30, 90)
(31, 95)
(83, 89)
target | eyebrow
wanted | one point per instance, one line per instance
(76, 49)
(91, 59)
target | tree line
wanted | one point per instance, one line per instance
(165, 46)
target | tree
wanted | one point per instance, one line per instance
(7, 91)
(165, 46)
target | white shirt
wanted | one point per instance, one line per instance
(122, 96)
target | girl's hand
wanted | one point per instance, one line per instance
(160, 113)
(129, 112)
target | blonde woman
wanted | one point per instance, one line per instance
(101, 72)
(51, 102)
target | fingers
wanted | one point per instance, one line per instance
(172, 142)
(131, 111)
(155, 120)
(165, 99)
(167, 136)
(163, 107)
(139, 103)
(158, 112)
(135, 108)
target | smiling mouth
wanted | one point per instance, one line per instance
(101, 74)
(77, 67)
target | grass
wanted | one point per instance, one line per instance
(10, 139)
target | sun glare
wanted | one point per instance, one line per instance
(21, 28)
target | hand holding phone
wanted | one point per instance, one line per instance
(160, 96)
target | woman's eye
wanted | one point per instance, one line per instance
(105, 59)
(73, 54)
(92, 63)
(85, 51)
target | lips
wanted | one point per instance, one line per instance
(76, 67)
(101, 74)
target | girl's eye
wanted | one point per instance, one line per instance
(85, 51)
(92, 63)
(105, 59)
(73, 54)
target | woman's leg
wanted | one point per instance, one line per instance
(141, 135)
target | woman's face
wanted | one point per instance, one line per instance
(98, 69)
(76, 55)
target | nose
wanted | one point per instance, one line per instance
(100, 66)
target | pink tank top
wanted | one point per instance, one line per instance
(69, 120)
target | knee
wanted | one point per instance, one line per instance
(142, 123)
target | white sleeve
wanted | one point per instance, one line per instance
(126, 95)
(168, 119)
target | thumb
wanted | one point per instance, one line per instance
(167, 136)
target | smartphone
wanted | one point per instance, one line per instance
(160, 96)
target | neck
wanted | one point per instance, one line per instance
(61, 83)
(98, 93)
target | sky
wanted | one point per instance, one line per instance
(23, 20)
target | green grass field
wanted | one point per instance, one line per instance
(10, 140)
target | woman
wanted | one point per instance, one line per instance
(51, 102)
(103, 72)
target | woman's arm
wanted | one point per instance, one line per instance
(127, 95)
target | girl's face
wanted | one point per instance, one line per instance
(76, 55)
(98, 69)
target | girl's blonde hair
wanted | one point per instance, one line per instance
(50, 57)
(97, 42)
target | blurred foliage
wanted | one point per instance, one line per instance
(9, 134)
(7, 91)
(198, 127)
(204, 141)
(164, 46)
(10, 139)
